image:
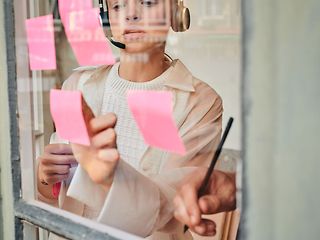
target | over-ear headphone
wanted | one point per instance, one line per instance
(180, 19)
(180, 16)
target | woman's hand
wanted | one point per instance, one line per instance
(54, 166)
(99, 159)
(219, 197)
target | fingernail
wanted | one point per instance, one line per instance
(211, 227)
(214, 232)
(211, 233)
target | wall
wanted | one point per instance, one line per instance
(211, 49)
(282, 96)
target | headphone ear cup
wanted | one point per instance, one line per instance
(185, 19)
(180, 21)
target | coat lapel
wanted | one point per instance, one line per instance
(180, 83)
(92, 87)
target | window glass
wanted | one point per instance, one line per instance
(198, 60)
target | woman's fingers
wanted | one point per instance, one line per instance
(49, 159)
(109, 155)
(101, 170)
(188, 194)
(209, 204)
(56, 169)
(103, 122)
(55, 163)
(63, 149)
(106, 138)
(100, 159)
(54, 173)
(57, 154)
(180, 212)
(52, 179)
(206, 227)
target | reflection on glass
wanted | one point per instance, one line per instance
(119, 180)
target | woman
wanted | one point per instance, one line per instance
(120, 181)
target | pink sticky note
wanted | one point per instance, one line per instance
(87, 39)
(152, 111)
(40, 38)
(66, 111)
(67, 6)
(56, 189)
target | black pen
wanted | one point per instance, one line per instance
(215, 158)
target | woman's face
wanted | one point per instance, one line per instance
(140, 24)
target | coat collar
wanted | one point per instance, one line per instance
(92, 81)
(179, 77)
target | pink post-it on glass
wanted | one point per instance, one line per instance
(152, 111)
(40, 38)
(67, 6)
(87, 39)
(66, 111)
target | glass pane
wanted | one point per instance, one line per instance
(149, 119)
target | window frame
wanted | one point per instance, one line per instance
(58, 221)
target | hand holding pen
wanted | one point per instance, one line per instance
(205, 192)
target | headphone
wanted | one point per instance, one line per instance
(180, 20)
(180, 16)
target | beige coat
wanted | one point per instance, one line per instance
(140, 200)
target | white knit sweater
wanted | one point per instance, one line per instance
(130, 143)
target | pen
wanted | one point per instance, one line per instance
(215, 158)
